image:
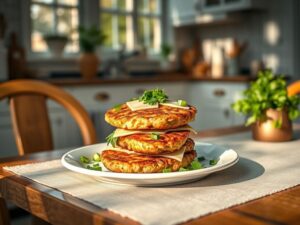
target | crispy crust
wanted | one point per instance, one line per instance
(167, 143)
(122, 162)
(164, 117)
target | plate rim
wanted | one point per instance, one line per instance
(147, 176)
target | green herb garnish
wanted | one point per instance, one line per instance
(97, 157)
(182, 103)
(154, 136)
(84, 159)
(213, 162)
(167, 170)
(182, 169)
(117, 107)
(110, 139)
(196, 165)
(153, 97)
(94, 167)
(201, 158)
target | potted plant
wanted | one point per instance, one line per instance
(269, 108)
(89, 39)
(56, 43)
(165, 52)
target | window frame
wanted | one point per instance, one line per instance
(135, 15)
(27, 28)
(89, 15)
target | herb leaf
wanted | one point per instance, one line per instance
(84, 159)
(110, 139)
(97, 157)
(117, 107)
(201, 158)
(182, 103)
(167, 170)
(154, 96)
(154, 136)
(94, 167)
(213, 162)
(196, 165)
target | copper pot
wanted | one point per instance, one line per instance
(89, 63)
(265, 130)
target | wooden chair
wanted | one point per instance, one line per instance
(27, 99)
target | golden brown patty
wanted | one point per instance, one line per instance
(143, 143)
(122, 162)
(164, 117)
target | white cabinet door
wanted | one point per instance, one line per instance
(183, 11)
(213, 101)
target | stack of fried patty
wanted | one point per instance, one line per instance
(155, 134)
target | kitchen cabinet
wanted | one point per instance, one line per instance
(183, 12)
(213, 101)
(189, 12)
(224, 6)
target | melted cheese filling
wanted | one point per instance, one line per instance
(178, 155)
(122, 132)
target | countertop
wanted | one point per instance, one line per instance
(173, 77)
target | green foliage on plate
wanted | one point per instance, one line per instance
(267, 92)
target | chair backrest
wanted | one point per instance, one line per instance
(30, 118)
(294, 88)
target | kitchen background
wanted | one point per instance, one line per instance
(217, 46)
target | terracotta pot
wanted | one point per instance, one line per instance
(265, 130)
(89, 63)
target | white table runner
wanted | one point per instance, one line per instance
(263, 169)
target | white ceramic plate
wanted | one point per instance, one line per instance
(227, 158)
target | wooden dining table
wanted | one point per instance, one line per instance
(56, 207)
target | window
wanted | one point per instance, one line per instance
(116, 19)
(131, 23)
(149, 24)
(53, 17)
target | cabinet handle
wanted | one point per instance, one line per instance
(226, 113)
(102, 97)
(140, 91)
(219, 92)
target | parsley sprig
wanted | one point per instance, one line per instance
(155, 136)
(110, 139)
(154, 96)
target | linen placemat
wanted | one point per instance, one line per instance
(263, 169)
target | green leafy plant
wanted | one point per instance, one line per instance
(267, 92)
(165, 50)
(90, 38)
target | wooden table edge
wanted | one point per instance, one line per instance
(45, 202)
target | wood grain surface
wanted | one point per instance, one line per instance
(56, 207)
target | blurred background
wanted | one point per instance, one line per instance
(105, 52)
